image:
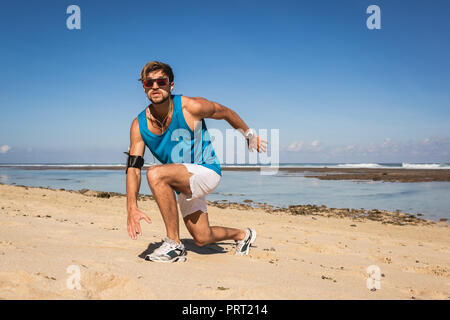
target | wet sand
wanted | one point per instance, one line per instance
(301, 252)
(374, 174)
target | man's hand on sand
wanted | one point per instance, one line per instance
(133, 222)
(257, 143)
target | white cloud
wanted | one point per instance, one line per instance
(386, 150)
(350, 147)
(295, 146)
(4, 148)
(371, 148)
(386, 142)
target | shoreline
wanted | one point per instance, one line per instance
(396, 217)
(368, 174)
(303, 255)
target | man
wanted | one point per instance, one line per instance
(192, 176)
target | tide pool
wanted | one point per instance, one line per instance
(282, 189)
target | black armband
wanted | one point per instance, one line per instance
(134, 161)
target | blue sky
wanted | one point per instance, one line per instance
(337, 91)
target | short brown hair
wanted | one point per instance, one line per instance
(154, 66)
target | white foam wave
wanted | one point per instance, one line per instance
(360, 165)
(424, 166)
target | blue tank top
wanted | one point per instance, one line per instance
(179, 144)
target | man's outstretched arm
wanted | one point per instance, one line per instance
(137, 148)
(202, 108)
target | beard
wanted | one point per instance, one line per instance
(160, 99)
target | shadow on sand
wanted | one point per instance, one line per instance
(213, 248)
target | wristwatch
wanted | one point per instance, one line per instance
(249, 134)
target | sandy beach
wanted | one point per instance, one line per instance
(300, 253)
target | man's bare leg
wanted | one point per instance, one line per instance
(162, 179)
(197, 224)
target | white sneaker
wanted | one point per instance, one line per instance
(243, 246)
(169, 251)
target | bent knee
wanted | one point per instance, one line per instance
(200, 243)
(202, 240)
(153, 175)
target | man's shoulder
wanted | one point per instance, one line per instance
(187, 102)
(136, 119)
(135, 122)
(135, 132)
(135, 125)
(192, 104)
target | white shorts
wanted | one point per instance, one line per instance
(202, 182)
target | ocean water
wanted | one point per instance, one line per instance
(399, 165)
(282, 189)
